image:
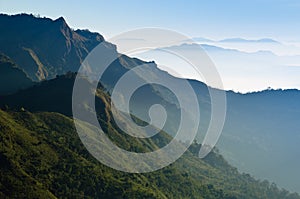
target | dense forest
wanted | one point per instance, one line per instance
(43, 157)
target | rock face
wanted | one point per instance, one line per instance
(42, 47)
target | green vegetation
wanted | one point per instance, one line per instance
(42, 157)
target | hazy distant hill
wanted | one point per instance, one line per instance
(241, 40)
(261, 132)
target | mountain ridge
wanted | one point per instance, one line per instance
(241, 132)
(50, 159)
(46, 47)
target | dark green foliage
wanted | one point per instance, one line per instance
(42, 151)
(42, 157)
(53, 95)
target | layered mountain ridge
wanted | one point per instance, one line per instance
(42, 156)
(39, 49)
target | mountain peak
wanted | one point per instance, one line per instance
(60, 19)
(44, 46)
(61, 22)
(90, 35)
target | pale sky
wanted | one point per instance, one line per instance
(255, 19)
(277, 19)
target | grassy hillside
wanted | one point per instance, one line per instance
(42, 157)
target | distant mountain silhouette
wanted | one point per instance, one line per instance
(212, 48)
(263, 67)
(201, 39)
(235, 40)
(241, 40)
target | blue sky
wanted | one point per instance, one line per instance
(255, 19)
(278, 19)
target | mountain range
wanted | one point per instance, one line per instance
(240, 70)
(241, 40)
(42, 156)
(236, 40)
(263, 122)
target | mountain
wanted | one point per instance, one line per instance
(42, 156)
(43, 47)
(241, 40)
(78, 40)
(202, 39)
(12, 78)
(263, 67)
(212, 48)
(261, 134)
(261, 128)
(254, 121)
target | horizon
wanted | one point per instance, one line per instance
(239, 76)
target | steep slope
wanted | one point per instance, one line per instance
(54, 95)
(12, 78)
(261, 135)
(43, 47)
(42, 156)
(261, 130)
(41, 152)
